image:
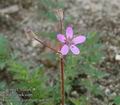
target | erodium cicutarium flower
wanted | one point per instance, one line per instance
(69, 41)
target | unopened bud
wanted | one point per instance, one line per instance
(29, 33)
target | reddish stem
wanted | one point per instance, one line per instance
(62, 70)
(33, 35)
(46, 45)
(62, 79)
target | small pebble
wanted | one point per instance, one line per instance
(107, 91)
(35, 43)
(117, 57)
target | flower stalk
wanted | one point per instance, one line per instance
(62, 80)
(31, 35)
(61, 17)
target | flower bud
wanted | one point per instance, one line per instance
(59, 14)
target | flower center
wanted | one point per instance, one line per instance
(68, 41)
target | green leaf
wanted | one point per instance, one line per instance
(19, 70)
(117, 100)
(56, 93)
(13, 99)
(71, 66)
(94, 72)
(79, 101)
(92, 49)
(91, 87)
(4, 51)
(76, 101)
(2, 86)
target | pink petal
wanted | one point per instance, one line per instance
(64, 50)
(61, 38)
(74, 49)
(69, 32)
(79, 39)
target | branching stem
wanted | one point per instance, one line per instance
(31, 34)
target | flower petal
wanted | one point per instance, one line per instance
(74, 49)
(79, 39)
(61, 38)
(64, 50)
(69, 32)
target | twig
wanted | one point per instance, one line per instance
(9, 10)
(30, 34)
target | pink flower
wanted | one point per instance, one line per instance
(69, 42)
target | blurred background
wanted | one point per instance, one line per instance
(99, 20)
